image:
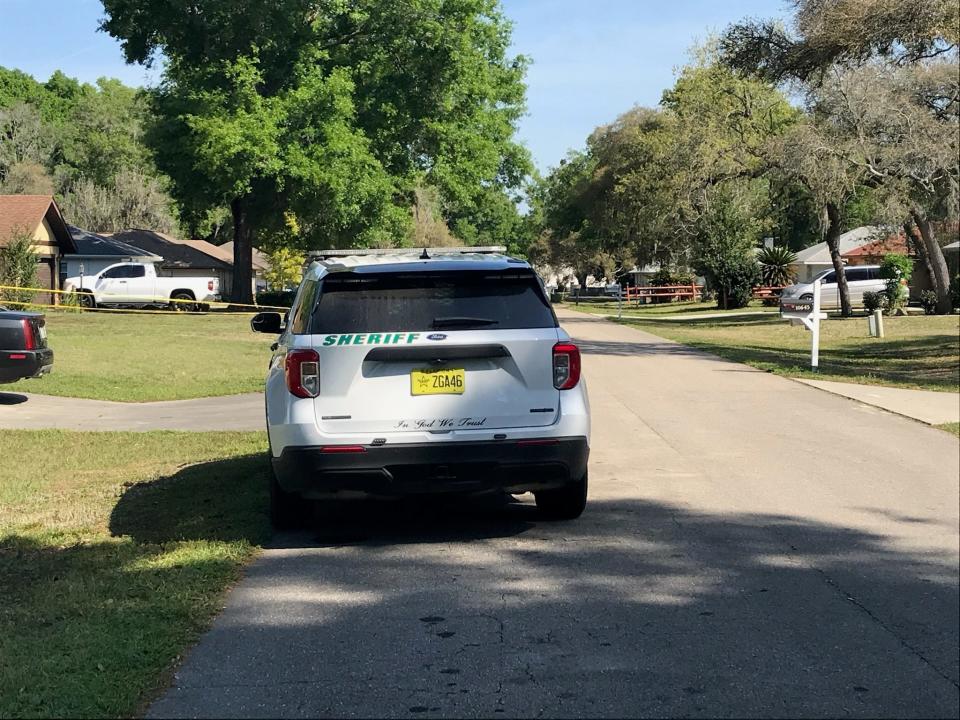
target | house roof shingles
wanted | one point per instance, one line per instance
(879, 248)
(90, 244)
(175, 254)
(28, 211)
(819, 254)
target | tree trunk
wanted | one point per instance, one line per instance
(833, 243)
(938, 263)
(242, 253)
(915, 240)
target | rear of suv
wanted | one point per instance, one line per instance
(435, 372)
(23, 346)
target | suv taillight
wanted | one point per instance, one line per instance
(302, 369)
(566, 365)
(210, 285)
(29, 341)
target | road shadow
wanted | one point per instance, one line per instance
(639, 608)
(416, 520)
(8, 398)
(222, 500)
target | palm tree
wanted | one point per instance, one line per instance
(775, 266)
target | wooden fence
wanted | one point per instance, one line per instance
(670, 293)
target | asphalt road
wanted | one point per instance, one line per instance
(752, 547)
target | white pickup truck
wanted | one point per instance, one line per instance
(138, 285)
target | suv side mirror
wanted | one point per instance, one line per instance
(267, 322)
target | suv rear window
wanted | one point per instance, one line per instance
(462, 300)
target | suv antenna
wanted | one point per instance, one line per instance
(424, 255)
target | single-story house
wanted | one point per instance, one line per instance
(873, 252)
(180, 258)
(225, 252)
(97, 252)
(39, 216)
(816, 258)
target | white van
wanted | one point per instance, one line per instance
(860, 279)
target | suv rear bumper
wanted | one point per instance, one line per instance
(18, 364)
(425, 468)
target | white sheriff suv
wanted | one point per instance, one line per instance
(437, 371)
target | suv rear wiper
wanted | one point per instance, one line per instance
(442, 322)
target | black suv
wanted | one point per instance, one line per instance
(23, 345)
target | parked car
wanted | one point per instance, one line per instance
(445, 374)
(138, 285)
(860, 279)
(23, 346)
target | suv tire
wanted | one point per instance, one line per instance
(566, 503)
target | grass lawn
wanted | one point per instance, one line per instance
(952, 428)
(115, 552)
(687, 307)
(138, 358)
(917, 352)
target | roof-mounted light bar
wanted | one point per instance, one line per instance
(418, 251)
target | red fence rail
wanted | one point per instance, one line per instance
(667, 292)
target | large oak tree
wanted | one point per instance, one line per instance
(333, 111)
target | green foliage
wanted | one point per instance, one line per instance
(875, 301)
(278, 299)
(644, 188)
(928, 301)
(286, 269)
(18, 266)
(131, 199)
(897, 270)
(83, 143)
(334, 113)
(671, 276)
(723, 249)
(775, 262)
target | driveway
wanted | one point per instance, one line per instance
(27, 411)
(752, 547)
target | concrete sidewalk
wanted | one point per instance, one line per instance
(933, 408)
(26, 411)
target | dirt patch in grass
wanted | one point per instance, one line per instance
(139, 358)
(109, 574)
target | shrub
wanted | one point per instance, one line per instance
(668, 276)
(928, 300)
(874, 301)
(18, 267)
(955, 291)
(283, 298)
(775, 266)
(896, 269)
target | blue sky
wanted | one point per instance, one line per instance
(592, 59)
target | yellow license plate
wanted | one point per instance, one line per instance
(448, 381)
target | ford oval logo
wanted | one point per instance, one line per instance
(437, 336)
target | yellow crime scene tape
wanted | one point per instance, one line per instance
(145, 298)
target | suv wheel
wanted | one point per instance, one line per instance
(566, 503)
(286, 509)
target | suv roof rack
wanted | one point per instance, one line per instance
(424, 252)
